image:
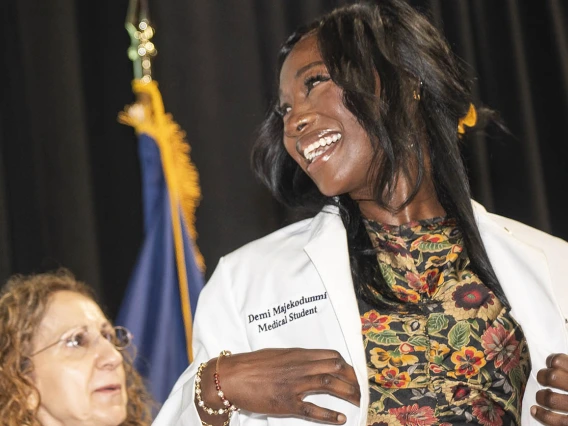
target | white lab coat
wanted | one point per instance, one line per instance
(242, 307)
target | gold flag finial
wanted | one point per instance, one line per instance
(141, 50)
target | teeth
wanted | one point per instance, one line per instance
(312, 150)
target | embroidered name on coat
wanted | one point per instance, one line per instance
(286, 312)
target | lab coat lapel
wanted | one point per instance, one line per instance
(328, 252)
(524, 275)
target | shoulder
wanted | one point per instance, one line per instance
(272, 254)
(279, 257)
(261, 269)
(284, 242)
(493, 223)
(521, 253)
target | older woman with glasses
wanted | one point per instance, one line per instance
(61, 360)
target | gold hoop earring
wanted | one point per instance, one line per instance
(417, 92)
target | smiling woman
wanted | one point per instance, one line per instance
(436, 311)
(62, 361)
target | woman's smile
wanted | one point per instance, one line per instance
(317, 145)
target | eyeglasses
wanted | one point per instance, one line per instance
(81, 340)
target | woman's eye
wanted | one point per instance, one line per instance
(78, 340)
(313, 80)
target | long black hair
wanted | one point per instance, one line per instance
(423, 93)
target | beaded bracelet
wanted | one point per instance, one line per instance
(220, 393)
(228, 408)
(200, 402)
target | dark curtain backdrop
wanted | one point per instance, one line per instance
(69, 174)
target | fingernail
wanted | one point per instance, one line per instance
(533, 410)
(341, 418)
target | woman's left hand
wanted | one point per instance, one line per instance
(554, 376)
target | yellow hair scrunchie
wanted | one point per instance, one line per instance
(469, 120)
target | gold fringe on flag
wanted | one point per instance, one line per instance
(169, 136)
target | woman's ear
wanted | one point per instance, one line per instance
(33, 398)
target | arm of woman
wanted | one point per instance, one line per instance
(275, 382)
(270, 381)
(553, 406)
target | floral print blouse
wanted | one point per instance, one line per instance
(461, 358)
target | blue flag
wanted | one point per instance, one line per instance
(161, 296)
